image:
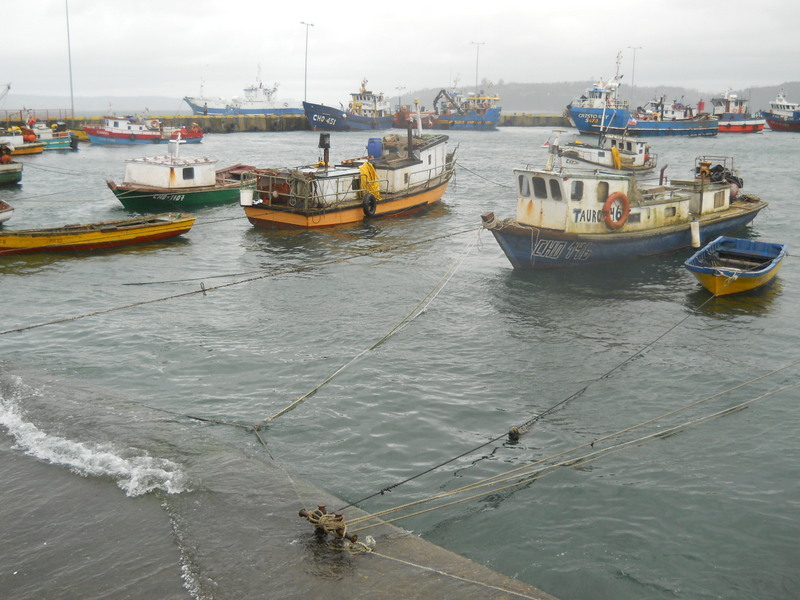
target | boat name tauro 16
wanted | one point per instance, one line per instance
(579, 217)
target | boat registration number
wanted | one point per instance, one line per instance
(170, 197)
(324, 119)
(555, 250)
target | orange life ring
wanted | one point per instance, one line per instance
(616, 217)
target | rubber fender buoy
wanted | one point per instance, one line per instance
(370, 205)
(616, 210)
(132, 137)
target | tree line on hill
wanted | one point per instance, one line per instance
(529, 98)
(552, 98)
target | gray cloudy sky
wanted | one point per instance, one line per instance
(172, 47)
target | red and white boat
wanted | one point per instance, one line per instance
(782, 114)
(135, 130)
(734, 115)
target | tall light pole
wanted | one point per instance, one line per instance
(477, 54)
(633, 70)
(69, 57)
(305, 76)
(400, 89)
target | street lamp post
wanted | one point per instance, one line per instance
(305, 73)
(69, 58)
(477, 54)
(400, 89)
(633, 70)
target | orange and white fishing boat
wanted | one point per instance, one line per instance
(20, 143)
(398, 177)
(94, 236)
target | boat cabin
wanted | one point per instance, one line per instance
(728, 103)
(367, 104)
(171, 171)
(131, 124)
(594, 202)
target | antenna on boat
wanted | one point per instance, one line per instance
(419, 117)
(553, 150)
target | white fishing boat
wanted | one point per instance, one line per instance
(614, 152)
(569, 217)
(258, 99)
(398, 177)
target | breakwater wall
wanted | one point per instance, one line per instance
(240, 123)
(533, 120)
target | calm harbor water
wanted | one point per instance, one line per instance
(108, 491)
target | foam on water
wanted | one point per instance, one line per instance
(134, 471)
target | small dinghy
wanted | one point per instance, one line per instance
(731, 265)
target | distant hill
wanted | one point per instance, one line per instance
(551, 98)
(541, 98)
(87, 106)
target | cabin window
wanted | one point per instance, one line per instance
(405, 178)
(602, 191)
(577, 191)
(524, 186)
(188, 173)
(555, 189)
(719, 199)
(429, 158)
(539, 187)
(670, 211)
(635, 218)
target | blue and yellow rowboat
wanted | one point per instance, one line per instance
(732, 265)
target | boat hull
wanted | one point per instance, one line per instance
(535, 248)
(200, 109)
(620, 122)
(98, 135)
(740, 123)
(396, 206)
(743, 127)
(780, 124)
(143, 199)
(732, 266)
(326, 118)
(26, 149)
(6, 211)
(485, 121)
(61, 143)
(94, 236)
(10, 173)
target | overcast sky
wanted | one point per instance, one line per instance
(175, 47)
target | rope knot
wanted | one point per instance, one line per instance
(325, 523)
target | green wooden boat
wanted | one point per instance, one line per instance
(10, 171)
(173, 182)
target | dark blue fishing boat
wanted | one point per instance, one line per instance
(366, 111)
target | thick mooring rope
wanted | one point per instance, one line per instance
(420, 308)
(530, 472)
(203, 290)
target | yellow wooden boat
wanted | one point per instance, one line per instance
(732, 265)
(93, 236)
(398, 177)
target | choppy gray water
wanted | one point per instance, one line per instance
(102, 476)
